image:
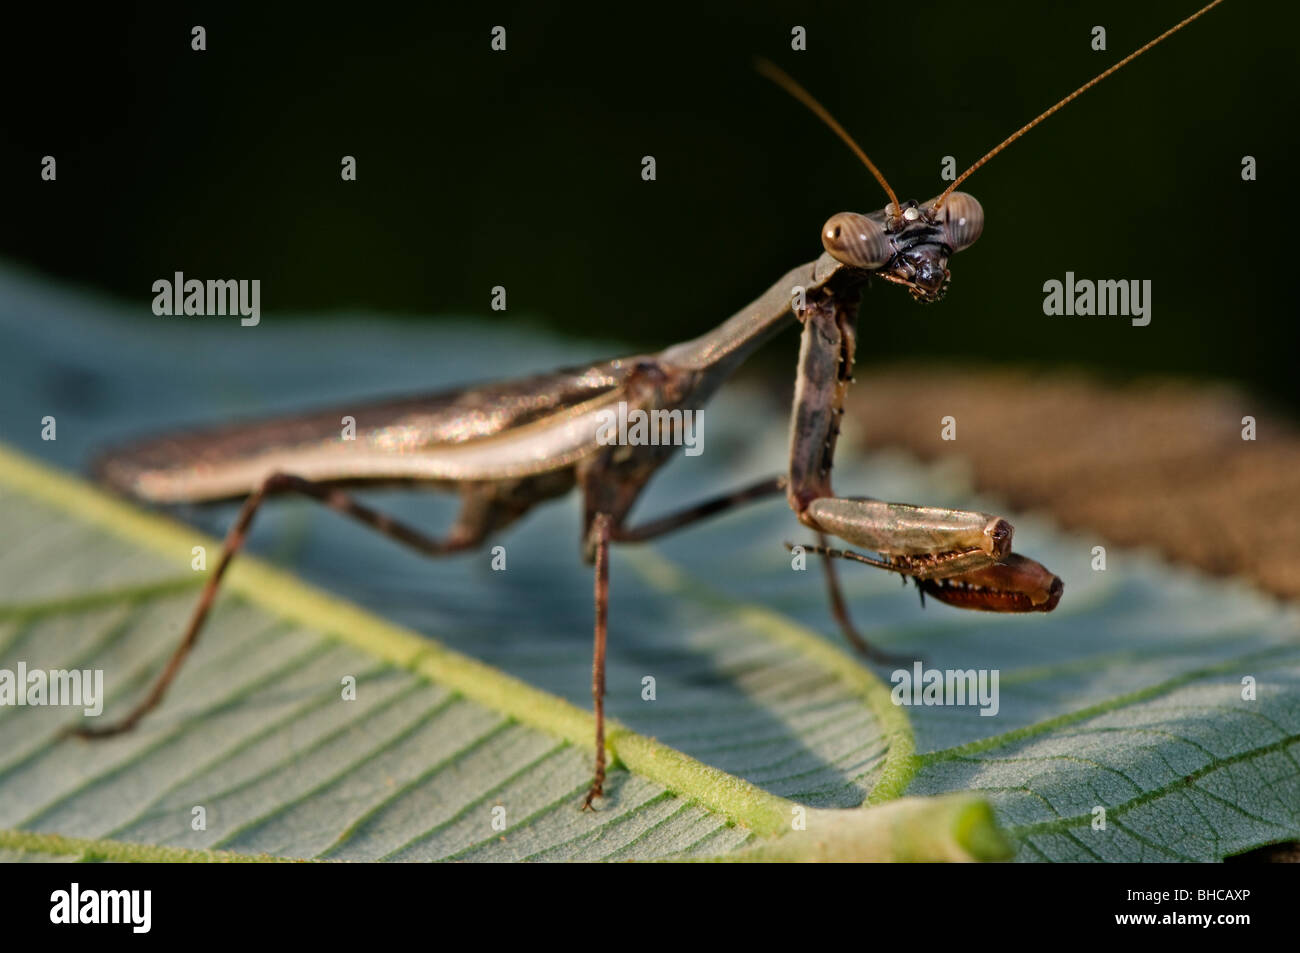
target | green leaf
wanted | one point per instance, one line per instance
(257, 734)
(1129, 697)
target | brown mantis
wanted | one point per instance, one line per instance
(508, 446)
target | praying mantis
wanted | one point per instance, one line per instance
(506, 447)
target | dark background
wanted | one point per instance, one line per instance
(523, 168)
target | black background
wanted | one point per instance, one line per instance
(336, 902)
(522, 168)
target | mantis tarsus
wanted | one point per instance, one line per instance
(508, 446)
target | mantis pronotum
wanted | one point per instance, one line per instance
(509, 446)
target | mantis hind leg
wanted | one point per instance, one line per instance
(475, 521)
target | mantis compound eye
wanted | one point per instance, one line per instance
(856, 240)
(962, 218)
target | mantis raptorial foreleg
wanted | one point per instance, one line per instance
(1016, 584)
(953, 554)
(926, 542)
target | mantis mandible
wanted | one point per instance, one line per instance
(508, 446)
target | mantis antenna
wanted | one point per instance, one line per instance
(786, 82)
(1074, 95)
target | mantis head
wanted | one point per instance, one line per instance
(907, 243)
(910, 246)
